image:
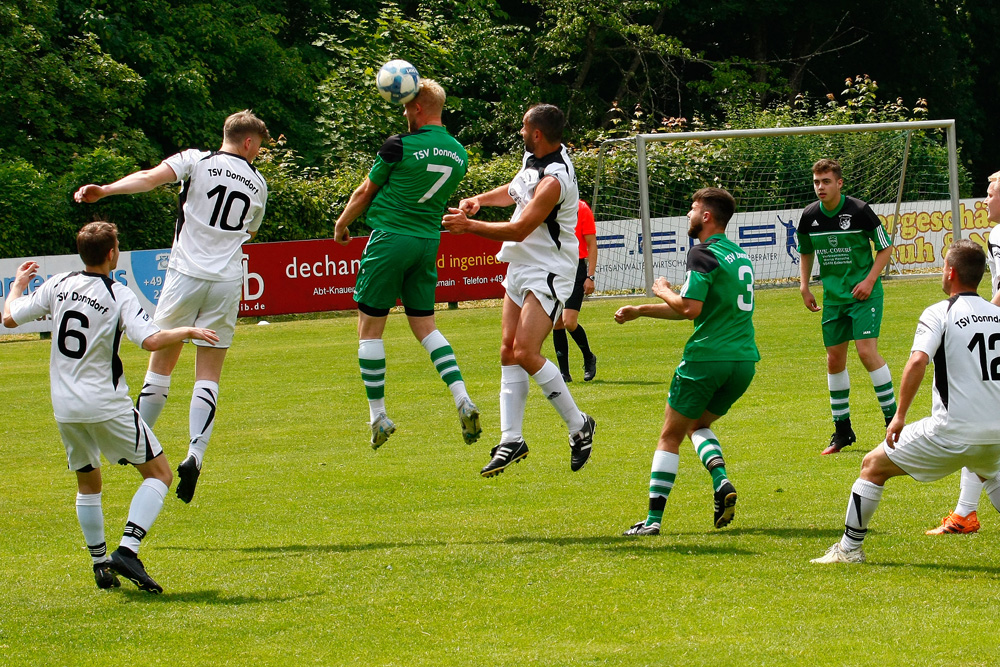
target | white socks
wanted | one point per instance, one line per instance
(865, 498)
(91, 518)
(146, 505)
(201, 418)
(550, 380)
(153, 397)
(513, 399)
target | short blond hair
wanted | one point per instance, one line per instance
(995, 176)
(431, 96)
(242, 124)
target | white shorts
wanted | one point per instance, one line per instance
(550, 289)
(925, 458)
(195, 302)
(123, 439)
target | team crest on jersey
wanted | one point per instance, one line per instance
(845, 220)
(833, 241)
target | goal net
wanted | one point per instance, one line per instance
(643, 189)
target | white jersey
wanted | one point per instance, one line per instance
(222, 200)
(961, 335)
(993, 257)
(89, 312)
(553, 243)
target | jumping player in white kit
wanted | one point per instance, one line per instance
(541, 248)
(221, 206)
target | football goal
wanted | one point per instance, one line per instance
(906, 171)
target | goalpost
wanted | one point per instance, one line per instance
(906, 171)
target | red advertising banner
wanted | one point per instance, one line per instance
(314, 276)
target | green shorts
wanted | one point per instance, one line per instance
(851, 321)
(709, 385)
(396, 266)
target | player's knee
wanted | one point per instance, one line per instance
(876, 466)
(507, 357)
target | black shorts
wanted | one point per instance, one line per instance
(575, 300)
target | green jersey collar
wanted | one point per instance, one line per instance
(830, 214)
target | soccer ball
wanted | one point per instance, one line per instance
(398, 81)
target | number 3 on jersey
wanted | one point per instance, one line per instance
(224, 206)
(746, 277)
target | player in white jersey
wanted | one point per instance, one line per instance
(964, 519)
(960, 335)
(90, 397)
(541, 248)
(222, 202)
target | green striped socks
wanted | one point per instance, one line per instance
(661, 481)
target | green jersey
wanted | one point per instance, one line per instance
(720, 275)
(417, 173)
(842, 241)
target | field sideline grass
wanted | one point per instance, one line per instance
(302, 546)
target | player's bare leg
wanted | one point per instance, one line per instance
(523, 331)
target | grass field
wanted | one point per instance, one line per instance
(303, 546)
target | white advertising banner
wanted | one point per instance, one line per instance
(141, 270)
(923, 233)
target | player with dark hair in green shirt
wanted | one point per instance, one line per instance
(406, 193)
(838, 232)
(719, 359)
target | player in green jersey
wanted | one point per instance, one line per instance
(406, 193)
(719, 359)
(838, 232)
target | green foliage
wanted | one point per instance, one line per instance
(144, 220)
(203, 61)
(32, 214)
(479, 66)
(59, 92)
(302, 202)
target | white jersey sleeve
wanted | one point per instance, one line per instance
(930, 329)
(37, 304)
(137, 323)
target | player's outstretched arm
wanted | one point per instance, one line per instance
(660, 311)
(913, 376)
(538, 209)
(140, 181)
(24, 274)
(499, 196)
(168, 337)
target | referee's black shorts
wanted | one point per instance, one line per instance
(575, 301)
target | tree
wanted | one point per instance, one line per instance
(59, 92)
